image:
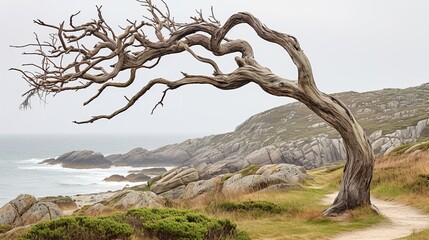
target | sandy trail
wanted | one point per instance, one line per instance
(404, 221)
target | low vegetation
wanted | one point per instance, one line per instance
(137, 224)
(4, 228)
(290, 215)
(404, 177)
(250, 170)
(79, 228)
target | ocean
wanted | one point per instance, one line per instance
(21, 173)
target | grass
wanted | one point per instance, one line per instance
(292, 215)
(250, 170)
(4, 228)
(403, 178)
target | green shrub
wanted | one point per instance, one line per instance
(79, 228)
(179, 224)
(241, 235)
(259, 206)
(137, 223)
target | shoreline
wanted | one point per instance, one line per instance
(82, 200)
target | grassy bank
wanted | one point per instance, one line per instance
(291, 215)
(403, 178)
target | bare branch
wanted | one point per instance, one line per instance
(161, 102)
(217, 71)
(89, 66)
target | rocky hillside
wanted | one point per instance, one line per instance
(293, 134)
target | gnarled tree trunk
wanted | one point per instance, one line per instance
(90, 67)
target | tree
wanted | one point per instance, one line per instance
(69, 64)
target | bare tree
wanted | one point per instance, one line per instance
(69, 64)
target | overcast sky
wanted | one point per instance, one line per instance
(352, 45)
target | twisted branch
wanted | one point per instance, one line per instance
(90, 65)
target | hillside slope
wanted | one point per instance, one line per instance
(293, 134)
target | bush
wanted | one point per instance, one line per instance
(179, 224)
(141, 223)
(247, 206)
(79, 228)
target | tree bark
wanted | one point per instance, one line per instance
(358, 170)
(355, 185)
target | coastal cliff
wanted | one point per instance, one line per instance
(287, 134)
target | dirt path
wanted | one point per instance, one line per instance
(404, 221)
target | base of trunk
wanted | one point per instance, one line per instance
(339, 208)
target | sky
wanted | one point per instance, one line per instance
(352, 46)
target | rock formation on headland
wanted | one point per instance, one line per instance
(25, 210)
(183, 185)
(289, 134)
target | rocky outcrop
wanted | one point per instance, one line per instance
(172, 179)
(115, 178)
(64, 203)
(274, 176)
(293, 134)
(151, 171)
(140, 157)
(126, 200)
(41, 211)
(135, 199)
(81, 160)
(195, 190)
(25, 210)
(133, 177)
(385, 144)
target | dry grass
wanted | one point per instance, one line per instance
(403, 178)
(301, 214)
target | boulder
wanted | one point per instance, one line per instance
(115, 178)
(97, 209)
(200, 188)
(151, 171)
(174, 194)
(279, 175)
(135, 199)
(133, 177)
(140, 157)
(267, 155)
(81, 160)
(238, 184)
(137, 177)
(173, 179)
(11, 212)
(25, 210)
(64, 203)
(41, 211)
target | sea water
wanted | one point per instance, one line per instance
(20, 155)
